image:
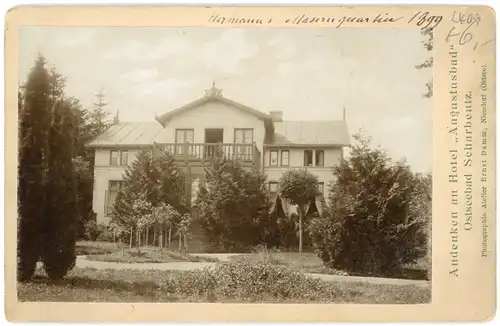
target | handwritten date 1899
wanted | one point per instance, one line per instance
(424, 20)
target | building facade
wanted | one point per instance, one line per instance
(193, 131)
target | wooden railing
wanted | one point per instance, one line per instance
(206, 151)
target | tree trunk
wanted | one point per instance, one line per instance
(131, 235)
(169, 237)
(180, 242)
(155, 231)
(301, 214)
(114, 239)
(161, 239)
(138, 236)
(185, 243)
(147, 236)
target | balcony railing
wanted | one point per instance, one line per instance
(207, 151)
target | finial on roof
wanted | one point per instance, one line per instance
(343, 113)
(214, 91)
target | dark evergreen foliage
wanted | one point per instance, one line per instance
(156, 180)
(34, 116)
(374, 222)
(234, 205)
(46, 190)
(59, 226)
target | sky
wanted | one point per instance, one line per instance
(308, 73)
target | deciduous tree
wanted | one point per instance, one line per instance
(298, 187)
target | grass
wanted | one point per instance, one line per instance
(308, 262)
(91, 285)
(106, 251)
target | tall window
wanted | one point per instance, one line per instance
(285, 158)
(273, 158)
(243, 138)
(114, 158)
(123, 157)
(308, 158)
(111, 195)
(320, 158)
(183, 136)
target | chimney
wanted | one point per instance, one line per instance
(276, 116)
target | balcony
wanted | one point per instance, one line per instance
(193, 152)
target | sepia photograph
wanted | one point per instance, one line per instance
(229, 165)
(250, 164)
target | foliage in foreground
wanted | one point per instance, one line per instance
(127, 285)
(252, 281)
(378, 215)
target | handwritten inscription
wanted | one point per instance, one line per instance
(219, 19)
(464, 28)
(425, 20)
(381, 18)
(341, 21)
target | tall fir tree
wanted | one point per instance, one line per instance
(46, 188)
(98, 116)
(59, 227)
(34, 116)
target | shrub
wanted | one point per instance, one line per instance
(92, 230)
(105, 233)
(371, 225)
(234, 205)
(242, 280)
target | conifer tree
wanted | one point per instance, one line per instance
(373, 223)
(34, 116)
(234, 206)
(59, 227)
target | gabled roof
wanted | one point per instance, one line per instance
(215, 95)
(321, 133)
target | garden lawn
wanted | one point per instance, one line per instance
(91, 285)
(109, 252)
(308, 262)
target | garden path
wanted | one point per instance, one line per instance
(82, 262)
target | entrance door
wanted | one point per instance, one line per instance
(212, 138)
